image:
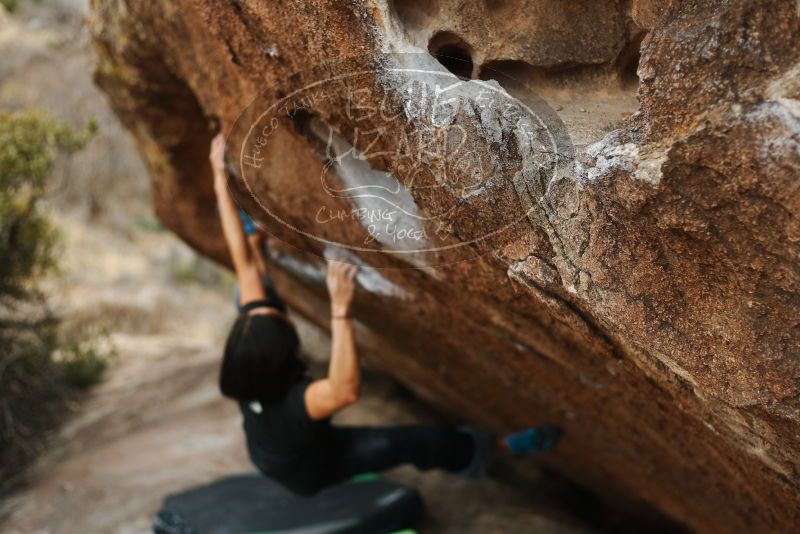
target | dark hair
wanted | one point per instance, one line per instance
(261, 359)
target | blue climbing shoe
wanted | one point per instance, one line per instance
(534, 439)
(247, 223)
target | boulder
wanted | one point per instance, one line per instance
(612, 243)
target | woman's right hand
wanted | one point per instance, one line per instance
(341, 286)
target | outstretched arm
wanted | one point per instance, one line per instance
(327, 396)
(244, 261)
(256, 241)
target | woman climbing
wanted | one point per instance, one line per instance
(287, 414)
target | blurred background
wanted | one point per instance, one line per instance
(111, 328)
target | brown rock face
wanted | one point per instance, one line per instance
(611, 244)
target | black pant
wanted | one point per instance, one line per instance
(357, 450)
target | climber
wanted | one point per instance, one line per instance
(287, 414)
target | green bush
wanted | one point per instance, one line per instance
(33, 388)
(10, 5)
(83, 357)
(29, 144)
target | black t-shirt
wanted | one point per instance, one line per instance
(281, 436)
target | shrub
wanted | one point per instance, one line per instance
(10, 5)
(32, 386)
(29, 144)
(83, 357)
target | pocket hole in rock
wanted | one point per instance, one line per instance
(453, 53)
(628, 62)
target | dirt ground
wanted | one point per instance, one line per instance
(158, 424)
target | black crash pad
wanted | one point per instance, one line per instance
(252, 503)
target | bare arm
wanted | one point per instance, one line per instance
(327, 396)
(244, 261)
(256, 242)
